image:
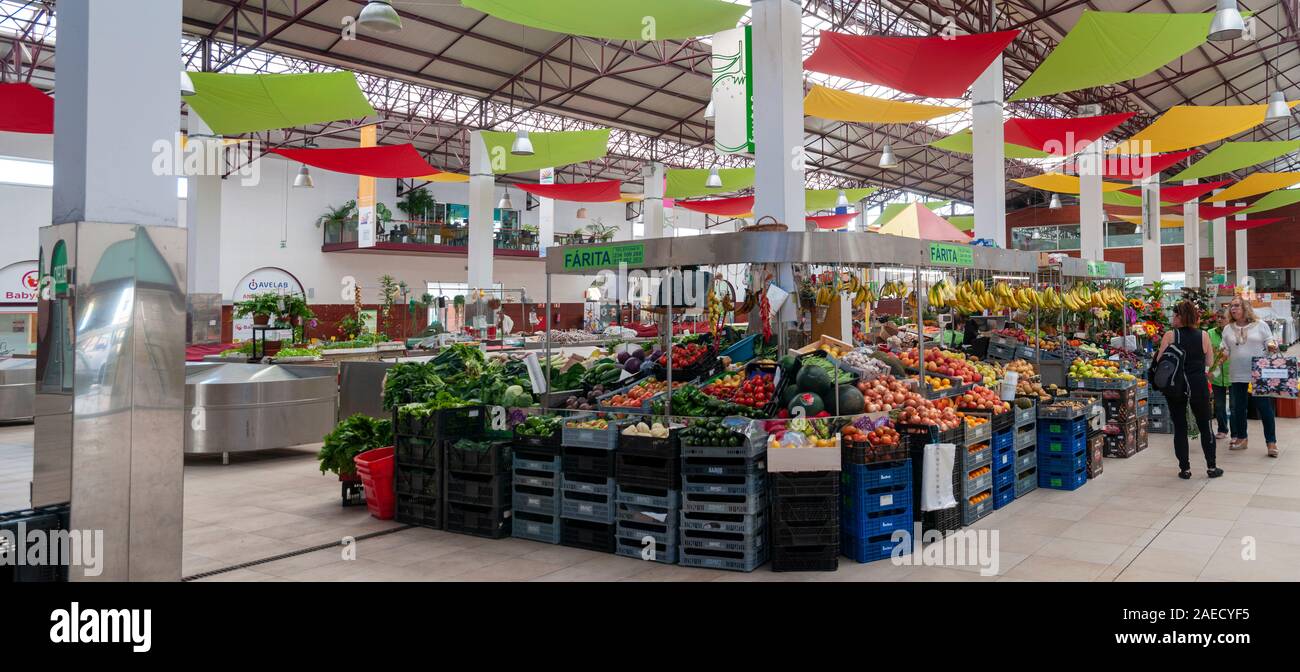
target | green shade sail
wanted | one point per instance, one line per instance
(1277, 199)
(1121, 198)
(962, 222)
(1233, 155)
(690, 182)
(825, 199)
(237, 104)
(891, 211)
(963, 142)
(1109, 47)
(618, 19)
(550, 150)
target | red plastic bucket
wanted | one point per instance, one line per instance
(375, 467)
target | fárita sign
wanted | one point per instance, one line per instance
(944, 254)
(604, 257)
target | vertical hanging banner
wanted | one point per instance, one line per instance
(366, 196)
(733, 91)
(546, 214)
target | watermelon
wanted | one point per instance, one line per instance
(816, 380)
(851, 400)
(810, 403)
(788, 395)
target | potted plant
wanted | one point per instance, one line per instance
(350, 438)
(297, 313)
(601, 232)
(338, 216)
(417, 204)
(350, 327)
(260, 306)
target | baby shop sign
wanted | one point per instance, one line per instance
(20, 281)
(261, 281)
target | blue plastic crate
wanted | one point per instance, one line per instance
(1004, 476)
(1063, 479)
(855, 504)
(1062, 462)
(1063, 446)
(1062, 428)
(873, 475)
(870, 549)
(1004, 495)
(742, 350)
(1002, 458)
(873, 523)
(1004, 439)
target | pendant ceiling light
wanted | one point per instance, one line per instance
(843, 200)
(522, 146)
(581, 214)
(379, 15)
(1277, 107)
(887, 159)
(303, 179)
(1055, 203)
(715, 180)
(1227, 24)
(708, 110)
(187, 86)
(505, 203)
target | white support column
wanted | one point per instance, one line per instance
(1243, 261)
(546, 214)
(652, 208)
(1191, 242)
(1151, 271)
(989, 161)
(203, 213)
(778, 124)
(1092, 220)
(1219, 231)
(482, 200)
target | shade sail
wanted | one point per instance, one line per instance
(550, 150)
(832, 222)
(1256, 183)
(689, 182)
(1123, 198)
(1245, 224)
(825, 199)
(1166, 221)
(917, 221)
(234, 104)
(963, 142)
(618, 19)
(25, 109)
(1063, 184)
(1140, 167)
(891, 211)
(1060, 137)
(384, 161)
(631, 198)
(1208, 212)
(963, 222)
(829, 103)
(581, 192)
(444, 178)
(1233, 155)
(1277, 199)
(741, 206)
(1109, 47)
(1175, 194)
(1186, 126)
(937, 67)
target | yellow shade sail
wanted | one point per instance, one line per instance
(829, 103)
(445, 177)
(1064, 184)
(1166, 221)
(631, 198)
(225, 142)
(1255, 183)
(1186, 126)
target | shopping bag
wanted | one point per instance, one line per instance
(936, 478)
(1275, 376)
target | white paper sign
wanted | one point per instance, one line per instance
(1273, 374)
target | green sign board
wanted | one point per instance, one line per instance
(1098, 269)
(59, 268)
(600, 257)
(951, 255)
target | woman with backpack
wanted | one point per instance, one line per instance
(1245, 338)
(1190, 386)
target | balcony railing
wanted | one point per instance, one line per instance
(430, 234)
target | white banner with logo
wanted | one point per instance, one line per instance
(733, 91)
(261, 281)
(20, 282)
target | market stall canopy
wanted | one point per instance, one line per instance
(830, 103)
(917, 221)
(1140, 167)
(1256, 183)
(234, 104)
(685, 183)
(1185, 126)
(1244, 224)
(891, 211)
(1175, 194)
(25, 109)
(937, 67)
(1278, 199)
(1062, 136)
(832, 222)
(825, 199)
(618, 19)
(1063, 184)
(1109, 47)
(1233, 155)
(962, 142)
(581, 192)
(740, 206)
(550, 150)
(1209, 212)
(390, 161)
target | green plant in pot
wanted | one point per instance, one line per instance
(261, 307)
(350, 438)
(350, 327)
(297, 313)
(417, 204)
(339, 216)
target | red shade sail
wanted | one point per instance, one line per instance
(582, 192)
(833, 221)
(25, 109)
(1061, 137)
(1181, 193)
(1142, 167)
(1241, 225)
(1215, 212)
(384, 161)
(938, 67)
(722, 207)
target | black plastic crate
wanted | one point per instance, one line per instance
(465, 422)
(924, 435)
(804, 484)
(492, 522)
(48, 519)
(545, 443)
(648, 470)
(535, 527)
(422, 511)
(809, 558)
(488, 458)
(478, 489)
(863, 452)
(943, 520)
(639, 547)
(722, 540)
(417, 481)
(584, 534)
(418, 451)
(587, 461)
(353, 493)
(724, 466)
(787, 533)
(649, 446)
(805, 508)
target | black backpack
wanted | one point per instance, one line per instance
(1168, 374)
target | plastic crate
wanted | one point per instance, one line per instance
(448, 423)
(1026, 481)
(806, 558)
(1062, 445)
(639, 548)
(800, 533)
(647, 515)
(1100, 384)
(997, 421)
(725, 485)
(981, 455)
(549, 480)
(661, 533)
(859, 503)
(729, 560)
(654, 471)
(1049, 412)
(353, 493)
(1004, 439)
(1062, 480)
(417, 481)
(1004, 495)
(536, 461)
(752, 446)
(1004, 476)
(942, 520)
(598, 439)
(1004, 341)
(724, 522)
(719, 540)
(1025, 416)
(640, 495)
(804, 484)
(535, 527)
(477, 489)
(1001, 353)
(870, 523)
(494, 459)
(587, 461)
(742, 350)
(422, 511)
(650, 446)
(1062, 429)
(1122, 447)
(542, 501)
(1026, 457)
(48, 519)
(858, 476)
(973, 512)
(978, 433)
(723, 466)
(587, 535)
(1003, 459)
(863, 452)
(924, 435)
(717, 503)
(586, 506)
(973, 486)
(805, 508)
(418, 451)
(544, 443)
(1025, 437)
(592, 485)
(876, 547)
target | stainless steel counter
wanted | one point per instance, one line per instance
(240, 407)
(17, 389)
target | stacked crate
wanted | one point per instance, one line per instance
(1159, 420)
(587, 488)
(535, 488)
(976, 471)
(1143, 415)
(1062, 453)
(918, 437)
(876, 501)
(1004, 466)
(1121, 430)
(804, 523)
(647, 487)
(420, 446)
(724, 506)
(478, 488)
(1026, 451)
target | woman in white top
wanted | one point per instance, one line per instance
(1245, 338)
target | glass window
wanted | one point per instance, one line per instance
(1270, 280)
(1123, 234)
(26, 172)
(1069, 237)
(1171, 236)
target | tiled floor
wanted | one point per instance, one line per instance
(1137, 522)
